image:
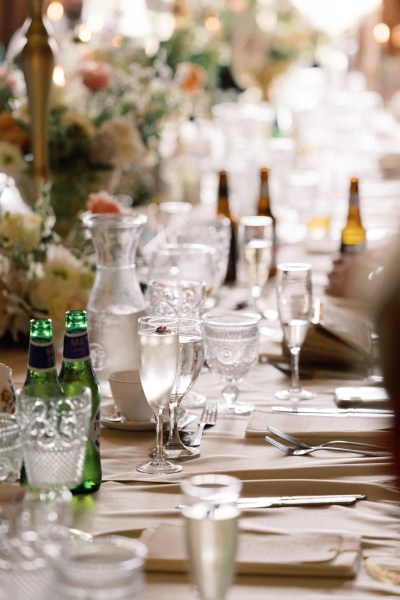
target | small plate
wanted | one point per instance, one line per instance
(110, 419)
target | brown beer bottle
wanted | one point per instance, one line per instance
(264, 210)
(224, 210)
(354, 235)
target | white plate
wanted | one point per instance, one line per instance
(128, 425)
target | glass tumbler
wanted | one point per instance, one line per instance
(105, 568)
(10, 449)
(211, 519)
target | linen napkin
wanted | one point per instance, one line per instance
(313, 554)
(317, 429)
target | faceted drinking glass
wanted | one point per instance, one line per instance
(231, 342)
(54, 432)
(10, 449)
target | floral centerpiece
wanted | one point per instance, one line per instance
(39, 276)
(108, 105)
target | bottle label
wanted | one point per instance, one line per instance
(352, 248)
(41, 356)
(94, 433)
(76, 346)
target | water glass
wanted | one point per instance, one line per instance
(10, 449)
(183, 298)
(215, 233)
(176, 262)
(107, 568)
(54, 432)
(211, 518)
(231, 341)
(173, 218)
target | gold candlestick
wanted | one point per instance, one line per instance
(37, 61)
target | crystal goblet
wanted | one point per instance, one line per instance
(10, 449)
(231, 342)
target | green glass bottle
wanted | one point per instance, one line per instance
(41, 374)
(76, 368)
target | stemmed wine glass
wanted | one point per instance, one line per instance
(54, 431)
(294, 298)
(255, 235)
(231, 342)
(191, 359)
(158, 343)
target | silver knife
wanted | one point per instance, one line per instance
(334, 412)
(276, 501)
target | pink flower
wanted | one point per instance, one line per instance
(190, 77)
(96, 75)
(103, 202)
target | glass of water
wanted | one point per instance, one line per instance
(294, 298)
(211, 517)
(54, 432)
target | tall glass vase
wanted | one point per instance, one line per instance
(116, 301)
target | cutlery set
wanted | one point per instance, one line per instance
(208, 419)
(301, 448)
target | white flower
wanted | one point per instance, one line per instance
(65, 284)
(22, 230)
(130, 147)
(11, 159)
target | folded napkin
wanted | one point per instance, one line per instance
(317, 429)
(306, 554)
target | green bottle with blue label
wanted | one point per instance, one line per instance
(77, 368)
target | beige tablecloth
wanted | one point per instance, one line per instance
(133, 504)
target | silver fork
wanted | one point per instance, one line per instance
(297, 442)
(304, 451)
(208, 419)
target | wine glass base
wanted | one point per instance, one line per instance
(193, 400)
(158, 468)
(239, 408)
(294, 395)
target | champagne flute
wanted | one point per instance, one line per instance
(255, 235)
(211, 519)
(158, 344)
(294, 297)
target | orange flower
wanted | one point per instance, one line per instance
(103, 202)
(13, 133)
(96, 75)
(190, 77)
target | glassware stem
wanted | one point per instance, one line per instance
(294, 369)
(174, 448)
(159, 455)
